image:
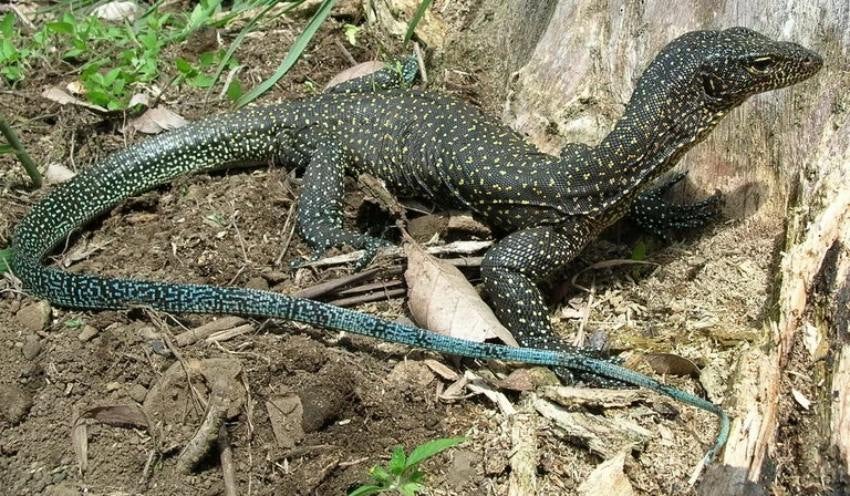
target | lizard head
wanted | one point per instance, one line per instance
(738, 62)
(702, 75)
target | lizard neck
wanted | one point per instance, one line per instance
(649, 139)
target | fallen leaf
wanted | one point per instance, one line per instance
(139, 99)
(608, 478)
(117, 11)
(359, 70)
(285, 415)
(442, 370)
(116, 415)
(800, 398)
(57, 173)
(441, 299)
(59, 96)
(668, 363)
(156, 120)
(76, 87)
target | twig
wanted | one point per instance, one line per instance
(345, 52)
(421, 61)
(370, 297)
(368, 288)
(207, 433)
(458, 247)
(290, 226)
(226, 459)
(206, 330)
(334, 284)
(20, 152)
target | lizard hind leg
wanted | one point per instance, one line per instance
(320, 210)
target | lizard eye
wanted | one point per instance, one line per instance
(759, 65)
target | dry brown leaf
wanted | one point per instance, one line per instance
(800, 398)
(57, 173)
(116, 415)
(59, 96)
(156, 120)
(359, 70)
(441, 299)
(608, 478)
(668, 363)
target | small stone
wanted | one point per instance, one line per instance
(35, 316)
(31, 347)
(15, 403)
(137, 392)
(113, 386)
(257, 283)
(87, 333)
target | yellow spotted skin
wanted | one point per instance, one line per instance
(431, 146)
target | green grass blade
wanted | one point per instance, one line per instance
(292, 56)
(12, 140)
(241, 37)
(417, 16)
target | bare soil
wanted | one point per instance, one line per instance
(703, 299)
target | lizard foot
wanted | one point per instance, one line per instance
(656, 215)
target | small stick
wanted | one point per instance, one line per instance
(345, 52)
(457, 247)
(225, 456)
(194, 335)
(370, 297)
(289, 226)
(334, 284)
(368, 288)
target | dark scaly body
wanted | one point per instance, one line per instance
(431, 146)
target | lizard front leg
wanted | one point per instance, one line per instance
(654, 214)
(320, 210)
(511, 271)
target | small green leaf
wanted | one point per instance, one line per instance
(639, 251)
(74, 323)
(5, 258)
(61, 27)
(206, 59)
(202, 81)
(184, 66)
(234, 90)
(410, 488)
(366, 490)
(380, 474)
(351, 32)
(4, 149)
(431, 448)
(397, 464)
(7, 25)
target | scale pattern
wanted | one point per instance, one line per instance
(432, 146)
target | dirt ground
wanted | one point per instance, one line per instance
(703, 298)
